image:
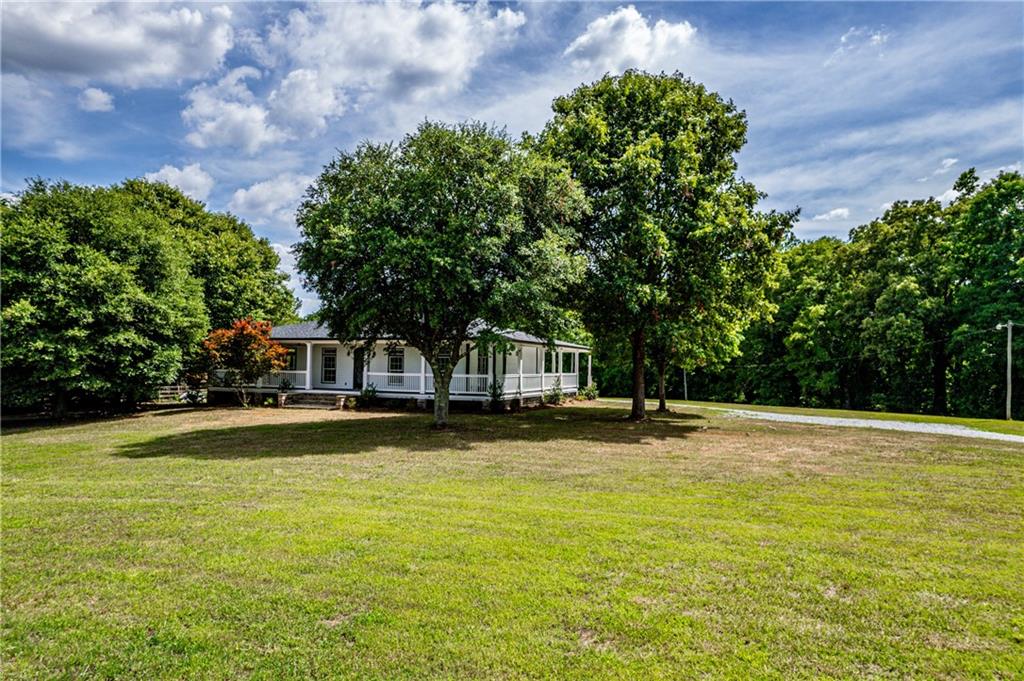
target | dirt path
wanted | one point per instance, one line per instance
(843, 422)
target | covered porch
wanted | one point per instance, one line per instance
(399, 371)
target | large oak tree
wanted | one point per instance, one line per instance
(423, 240)
(673, 233)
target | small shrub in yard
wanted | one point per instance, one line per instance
(555, 394)
(588, 392)
(285, 385)
(496, 391)
(367, 397)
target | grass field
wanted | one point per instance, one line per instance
(554, 543)
(993, 425)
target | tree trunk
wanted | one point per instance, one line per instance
(639, 410)
(662, 406)
(60, 405)
(441, 385)
(940, 365)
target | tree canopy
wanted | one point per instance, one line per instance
(435, 240)
(238, 270)
(673, 235)
(900, 317)
(98, 300)
(108, 290)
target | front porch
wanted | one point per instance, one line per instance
(328, 367)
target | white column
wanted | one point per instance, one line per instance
(309, 366)
(423, 374)
(590, 373)
(520, 372)
(543, 362)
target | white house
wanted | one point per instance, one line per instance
(318, 364)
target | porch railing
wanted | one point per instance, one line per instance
(296, 378)
(385, 382)
(462, 384)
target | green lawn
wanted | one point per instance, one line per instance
(554, 543)
(993, 425)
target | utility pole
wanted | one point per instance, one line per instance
(686, 393)
(1009, 367)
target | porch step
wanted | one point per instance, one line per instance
(298, 400)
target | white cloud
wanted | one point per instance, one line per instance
(35, 119)
(305, 100)
(124, 44)
(404, 50)
(95, 99)
(272, 201)
(227, 114)
(946, 165)
(190, 179)
(859, 39)
(834, 214)
(341, 56)
(624, 39)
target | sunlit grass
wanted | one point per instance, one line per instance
(555, 543)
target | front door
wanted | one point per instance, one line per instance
(357, 368)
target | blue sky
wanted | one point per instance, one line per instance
(850, 106)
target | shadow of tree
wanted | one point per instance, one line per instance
(364, 433)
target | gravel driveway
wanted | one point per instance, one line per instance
(842, 422)
(905, 426)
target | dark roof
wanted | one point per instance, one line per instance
(315, 331)
(300, 331)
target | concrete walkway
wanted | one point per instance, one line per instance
(843, 422)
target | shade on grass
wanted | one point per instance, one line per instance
(560, 542)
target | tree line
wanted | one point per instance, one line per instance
(901, 316)
(624, 222)
(109, 291)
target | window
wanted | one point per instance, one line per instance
(396, 361)
(482, 365)
(291, 360)
(568, 363)
(329, 365)
(396, 367)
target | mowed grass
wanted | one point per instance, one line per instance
(563, 542)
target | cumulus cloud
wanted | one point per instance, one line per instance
(119, 43)
(228, 114)
(272, 201)
(190, 179)
(95, 99)
(834, 214)
(624, 39)
(339, 55)
(305, 100)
